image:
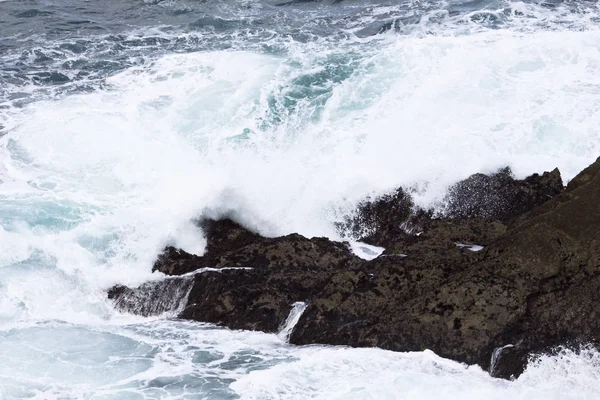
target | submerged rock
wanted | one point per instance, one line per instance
(534, 285)
(152, 298)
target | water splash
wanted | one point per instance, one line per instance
(167, 297)
(290, 129)
(288, 326)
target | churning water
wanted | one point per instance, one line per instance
(121, 121)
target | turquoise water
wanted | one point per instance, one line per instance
(116, 133)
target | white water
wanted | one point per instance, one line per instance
(472, 247)
(94, 185)
(366, 251)
(174, 360)
(291, 321)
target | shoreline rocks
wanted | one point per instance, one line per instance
(534, 285)
(250, 282)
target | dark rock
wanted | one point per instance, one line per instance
(281, 272)
(500, 196)
(152, 298)
(174, 261)
(508, 361)
(248, 298)
(534, 286)
(584, 176)
(411, 304)
(226, 235)
(402, 24)
(384, 219)
(244, 281)
(222, 236)
(470, 206)
(378, 27)
(436, 234)
(554, 256)
(537, 284)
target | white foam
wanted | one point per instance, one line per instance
(291, 321)
(131, 167)
(172, 359)
(343, 373)
(151, 359)
(471, 247)
(366, 251)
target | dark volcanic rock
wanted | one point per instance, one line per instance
(554, 257)
(222, 237)
(282, 271)
(174, 261)
(509, 361)
(244, 281)
(500, 196)
(535, 285)
(471, 204)
(385, 219)
(226, 235)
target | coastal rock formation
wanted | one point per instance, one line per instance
(244, 281)
(259, 282)
(511, 269)
(531, 288)
(476, 206)
(499, 196)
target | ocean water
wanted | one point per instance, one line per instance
(122, 121)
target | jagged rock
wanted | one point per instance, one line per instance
(538, 284)
(244, 281)
(478, 206)
(282, 271)
(225, 235)
(554, 255)
(174, 261)
(500, 196)
(534, 285)
(222, 237)
(385, 219)
(508, 361)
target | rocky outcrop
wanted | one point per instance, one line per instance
(273, 274)
(244, 281)
(383, 220)
(533, 284)
(476, 206)
(499, 196)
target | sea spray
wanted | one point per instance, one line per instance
(121, 124)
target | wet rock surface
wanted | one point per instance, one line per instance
(245, 281)
(276, 273)
(532, 284)
(499, 196)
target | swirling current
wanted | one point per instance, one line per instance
(122, 121)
